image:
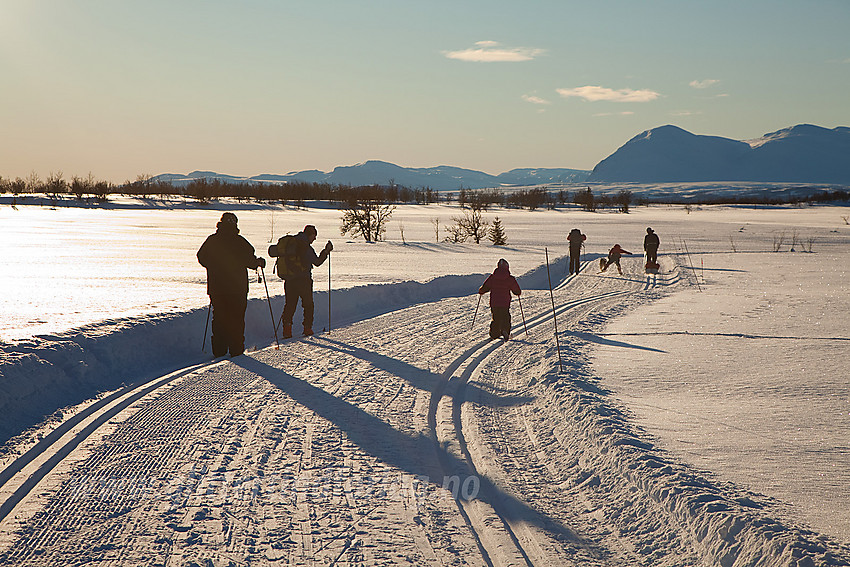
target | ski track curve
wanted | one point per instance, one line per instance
(402, 439)
(511, 533)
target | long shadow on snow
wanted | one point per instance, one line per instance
(704, 269)
(591, 338)
(406, 452)
(417, 377)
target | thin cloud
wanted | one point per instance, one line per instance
(684, 113)
(603, 114)
(533, 99)
(594, 93)
(704, 84)
(493, 52)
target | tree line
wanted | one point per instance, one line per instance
(298, 193)
(205, 189)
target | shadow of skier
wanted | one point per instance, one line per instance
(416, 454)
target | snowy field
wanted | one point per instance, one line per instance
(700, 416)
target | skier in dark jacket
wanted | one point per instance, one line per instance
(227, 256)
(650, 245)
(576, 239)
(500, 284)
(298, 283)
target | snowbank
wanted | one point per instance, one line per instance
(48, 372)
(730, 526)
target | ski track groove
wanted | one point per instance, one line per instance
(527, 547)
(162, 467)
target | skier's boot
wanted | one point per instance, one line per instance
(287, 331)
(308, 331)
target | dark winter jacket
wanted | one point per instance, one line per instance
(308, 258)
(500, 284)
(576, 239)
(227, 256)
(650, 241)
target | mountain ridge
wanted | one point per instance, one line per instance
(804, 153)
(438, 178)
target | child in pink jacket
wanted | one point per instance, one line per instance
(500, 284)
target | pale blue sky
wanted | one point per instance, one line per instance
(120, 88)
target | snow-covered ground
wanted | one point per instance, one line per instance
(679, 397)
(745, 376)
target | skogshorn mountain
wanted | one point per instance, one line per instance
(799, 154)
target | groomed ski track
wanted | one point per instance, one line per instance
(405, 439)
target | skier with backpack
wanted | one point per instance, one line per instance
(576, 239)
(295, 261)
(227, 256)
(500, 284)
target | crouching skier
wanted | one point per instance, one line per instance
(613, 258)
(500, 284)
(227, 256)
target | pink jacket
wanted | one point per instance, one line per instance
(500, 284)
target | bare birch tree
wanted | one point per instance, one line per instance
(366, 215)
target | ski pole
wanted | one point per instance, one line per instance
(554, 313)
(580, 257)
(279, 322)
(329, 292)
(207, 326)
(519, 298)
(476, 310)
(271, 314)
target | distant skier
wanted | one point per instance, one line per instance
(614, 258)
(576, 239)
(500, 284)
(298, 281)
(227, 256)
(650, 245)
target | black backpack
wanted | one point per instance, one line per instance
(289, 261)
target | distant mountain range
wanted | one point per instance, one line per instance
(442, 178)
(799, 154)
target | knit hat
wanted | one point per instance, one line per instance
(229, 218)
(503, 263)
